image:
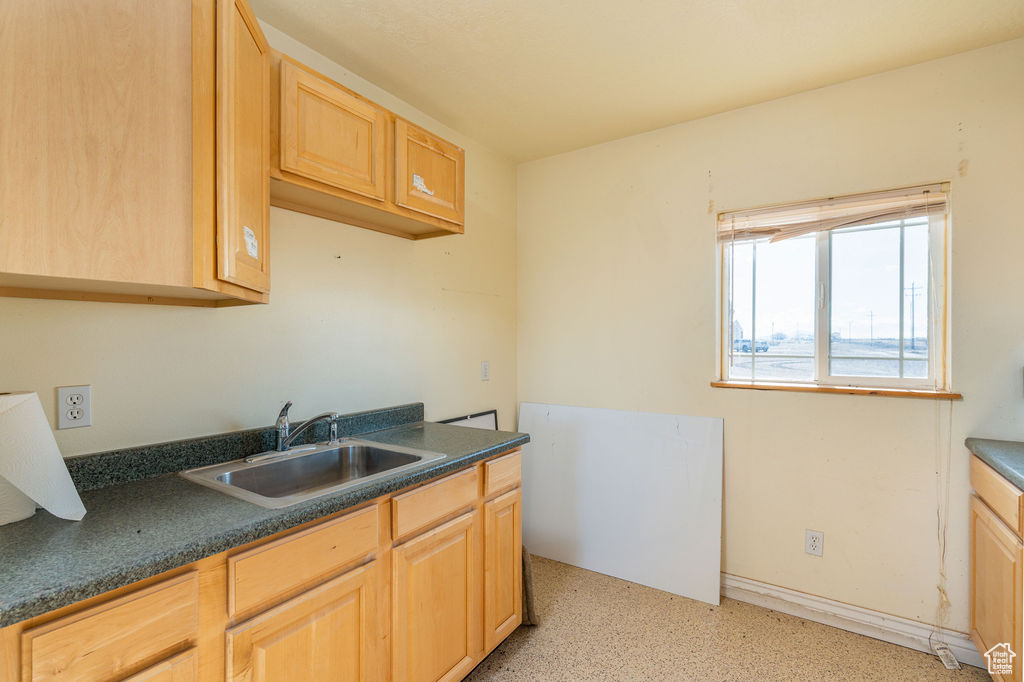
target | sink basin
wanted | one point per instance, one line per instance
(275, 480)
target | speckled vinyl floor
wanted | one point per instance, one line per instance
(594, 627)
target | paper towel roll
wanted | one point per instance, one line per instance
(31, 462)
(14, 504)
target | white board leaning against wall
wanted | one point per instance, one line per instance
(635, 495)
(480, 420)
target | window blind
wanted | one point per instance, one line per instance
(794, 220)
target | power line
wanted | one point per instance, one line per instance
(913, 317)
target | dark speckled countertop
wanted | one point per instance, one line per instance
(1005, 456)
(137, 529)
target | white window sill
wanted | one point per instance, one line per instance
(849, 390)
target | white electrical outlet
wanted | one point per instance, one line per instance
(814, 542)
(485, 370)
(74, 406)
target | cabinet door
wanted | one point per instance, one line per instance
(181, 668)
(243, 138)
(429, 173)
(997, 557)
(436, 628)
(503, 567)
(328, 634)
(330, 135)
(95, 144)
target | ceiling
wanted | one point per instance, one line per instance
(532, 78)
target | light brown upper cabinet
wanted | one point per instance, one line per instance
(337, 155)
(330, 135)
(429, 173)
(243, 134)
(133, 152)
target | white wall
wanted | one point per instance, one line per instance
(617, 309)
(357, 320)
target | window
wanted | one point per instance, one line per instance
(850, 291)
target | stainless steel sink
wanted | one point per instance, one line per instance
(275, 480)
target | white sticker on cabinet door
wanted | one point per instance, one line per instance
(419, 183)
(252, 247)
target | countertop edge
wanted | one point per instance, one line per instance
(997, 453)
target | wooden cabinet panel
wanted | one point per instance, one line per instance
(436, 609)
(421, 508)
(327, 634)
(429, 173)
(330, 135)
(260, 576)
(503, 567)
(333, 155)
(243, 139)
(997, 581)
(503, 473)
(181, 668)
(113, 114)
(117, 637)
(1001, 496)
(96, 157)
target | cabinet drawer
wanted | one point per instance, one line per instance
(503, 473)
(118, 637)
(417, 510)
(259, 577)
(1000, 495)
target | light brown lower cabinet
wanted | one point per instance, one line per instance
(436, 603)
(997, 580)
(417, 586)
(997, 566)
(327, 633)
(503, 567)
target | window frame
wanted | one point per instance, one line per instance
(938, 379)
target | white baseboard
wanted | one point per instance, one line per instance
(902, 631)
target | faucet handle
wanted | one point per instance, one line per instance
(282, 416)
(283, 428)
(334, 427)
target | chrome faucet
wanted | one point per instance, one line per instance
(285, 435)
